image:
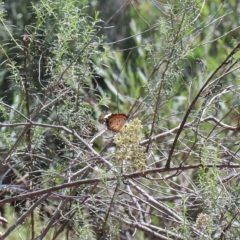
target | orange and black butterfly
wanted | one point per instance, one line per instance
(114, 122)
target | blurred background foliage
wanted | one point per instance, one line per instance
(139, 37)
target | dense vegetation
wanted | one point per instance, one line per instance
(172, 172)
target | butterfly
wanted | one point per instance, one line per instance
(114, 122)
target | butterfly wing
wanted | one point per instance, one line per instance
(103, 118)
(116, 122)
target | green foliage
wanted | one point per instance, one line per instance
(49, 78)
(165, 174)
(24, 228)
(215, 201)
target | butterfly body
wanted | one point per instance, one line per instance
(114, 122)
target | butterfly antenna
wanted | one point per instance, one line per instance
(117, 100)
